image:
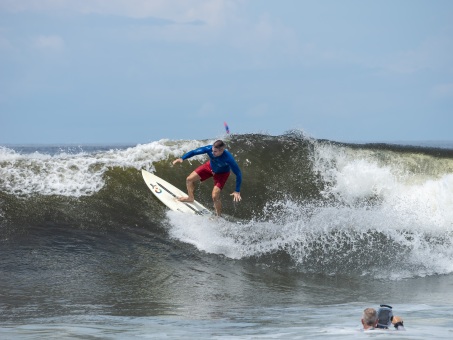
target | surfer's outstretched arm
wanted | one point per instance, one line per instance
(178, 160)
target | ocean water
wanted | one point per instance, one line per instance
(324, 230)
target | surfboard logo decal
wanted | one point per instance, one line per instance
(156, 189)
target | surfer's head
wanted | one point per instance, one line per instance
(218, 147)
(369, 318)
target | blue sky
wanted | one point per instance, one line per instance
(134, 71)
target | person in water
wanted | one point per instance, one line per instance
(221, 161)
(370, 320)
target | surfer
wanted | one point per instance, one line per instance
(221, 161)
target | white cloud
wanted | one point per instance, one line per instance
(263, 34)
(177, 10)
(49, 42)
(434, 53)
(211, 17)
(219, 21)
(443, 90)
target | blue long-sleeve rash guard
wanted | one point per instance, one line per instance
(224, 163)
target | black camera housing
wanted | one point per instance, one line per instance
(385, 316)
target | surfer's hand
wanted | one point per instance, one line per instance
(397, 319)
(178, 160)
(397, 322)
(236, 196)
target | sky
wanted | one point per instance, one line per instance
(136, 71)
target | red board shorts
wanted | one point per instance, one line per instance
(205, 172)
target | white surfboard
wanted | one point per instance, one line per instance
(168, 194)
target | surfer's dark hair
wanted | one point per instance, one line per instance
(219, 144)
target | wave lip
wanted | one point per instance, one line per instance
(79, 174)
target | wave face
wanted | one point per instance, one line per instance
(308, 205)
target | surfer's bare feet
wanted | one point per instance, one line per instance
(185, 199)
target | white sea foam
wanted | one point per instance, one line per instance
(415, 199)
(206, 234)
(79, 174)
(407, 198)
